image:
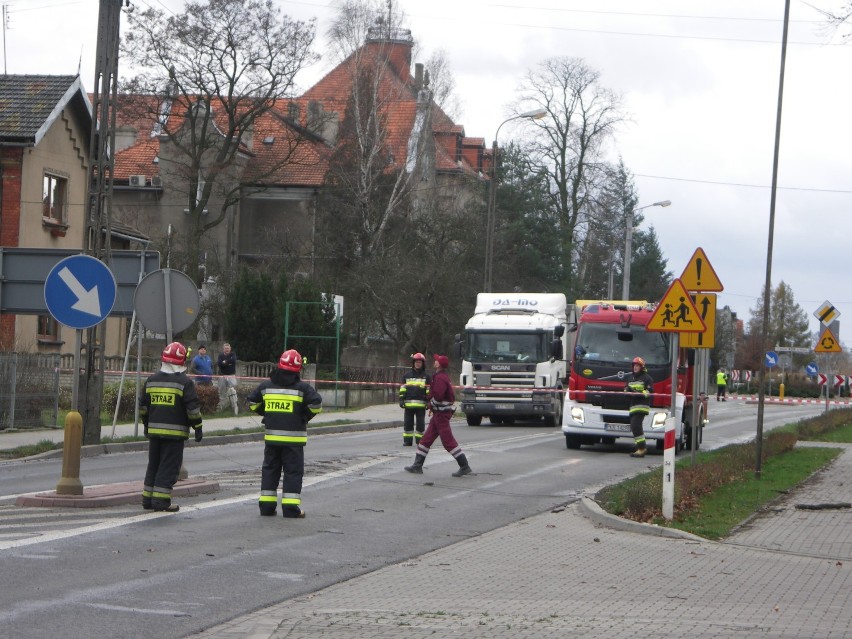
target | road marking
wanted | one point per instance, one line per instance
(148, 516)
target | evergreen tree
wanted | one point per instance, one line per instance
(649, 278)
(250, 309)
(527, 231)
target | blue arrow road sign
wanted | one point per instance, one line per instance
(771, 359)
(80, 291)
(811, 369)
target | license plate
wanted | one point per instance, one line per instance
(623, 428)
(504, 406)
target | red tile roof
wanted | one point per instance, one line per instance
(295, 156)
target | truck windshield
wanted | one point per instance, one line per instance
(497, 347)
(602, 342)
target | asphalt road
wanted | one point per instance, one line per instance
(124, 573)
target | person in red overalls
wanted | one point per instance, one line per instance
(441, 408)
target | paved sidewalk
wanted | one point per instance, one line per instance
(381, 415)
(787, 573)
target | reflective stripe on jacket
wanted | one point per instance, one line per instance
(414, 391)
(286, 410)
(640, 387)
(169, 405)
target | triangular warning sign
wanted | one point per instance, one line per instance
(699, 274)
(827, 343)
(676, 313)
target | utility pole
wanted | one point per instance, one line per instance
(5, 13)
(98, 235)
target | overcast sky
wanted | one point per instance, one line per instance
(699, 79)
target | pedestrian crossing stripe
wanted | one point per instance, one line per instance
(827, 343)
(699, 274)
(676, 312)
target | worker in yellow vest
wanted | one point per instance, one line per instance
(721, 384)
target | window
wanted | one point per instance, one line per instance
(54, 198)
(48, 329)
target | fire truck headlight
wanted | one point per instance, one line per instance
(577, 414)
(659, 420)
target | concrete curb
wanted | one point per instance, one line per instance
(113, 494)
(95, 450)
(593, 511)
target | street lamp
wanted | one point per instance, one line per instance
(628, 244)
(492, 196)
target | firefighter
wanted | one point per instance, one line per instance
(639, 385)
(287, 405)
(414, 397)
(441, 409)
(169, 408)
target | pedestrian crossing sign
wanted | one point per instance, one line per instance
(676, 312)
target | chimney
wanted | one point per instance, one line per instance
(418, 76)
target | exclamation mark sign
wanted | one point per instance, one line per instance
(698, 262)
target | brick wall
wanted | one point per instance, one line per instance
(11, 161)
(10, 205)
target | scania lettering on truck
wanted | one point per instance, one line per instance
(606, 336)
(513, 366)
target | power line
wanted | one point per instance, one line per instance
(651, 15)
(742, 184)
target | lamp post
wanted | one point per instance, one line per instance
(492, 196)
(628, 244)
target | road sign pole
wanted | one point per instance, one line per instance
(75, 378)
(669, 441)
(167, 286)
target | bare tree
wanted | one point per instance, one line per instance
(581, 117)
(840, 18)
(217, 67)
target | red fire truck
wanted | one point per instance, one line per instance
(607, 335)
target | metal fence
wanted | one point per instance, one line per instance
(29, 390)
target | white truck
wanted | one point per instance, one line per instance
(512, 358)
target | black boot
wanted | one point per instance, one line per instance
(464, 467)
(417, 466)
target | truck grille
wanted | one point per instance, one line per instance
(504, 385)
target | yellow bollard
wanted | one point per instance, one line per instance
(781, 390)
(70, 483)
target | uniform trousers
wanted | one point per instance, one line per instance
(439, 426)
(408, 419)
(165, 457)
(290, 460)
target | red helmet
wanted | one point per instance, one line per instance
(290, 361)
(175, 353)
(640, 361)
(419, 356)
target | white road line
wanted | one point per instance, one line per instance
(148, 516)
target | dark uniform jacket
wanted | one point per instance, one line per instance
(287, 405)
(169, 406)
(640, 386)
(414, 392)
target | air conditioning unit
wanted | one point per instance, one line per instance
(138, 180)
(156, 180)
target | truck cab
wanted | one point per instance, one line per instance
(606, 336)
(513, 365)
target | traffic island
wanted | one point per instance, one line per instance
(113, 494)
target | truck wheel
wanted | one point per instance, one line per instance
(573, 442)
(555, 419)
(473, 420)
(495, 420)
